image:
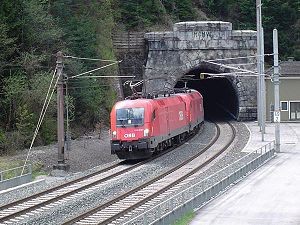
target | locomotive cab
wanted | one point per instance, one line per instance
(130, 129)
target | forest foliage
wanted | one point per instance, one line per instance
(32, 31)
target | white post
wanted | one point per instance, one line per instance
(260, 70)
(258, 14)
(263, 86)
(276, 91)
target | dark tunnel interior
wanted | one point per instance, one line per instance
(219, 96)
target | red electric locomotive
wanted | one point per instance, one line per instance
(142, 126)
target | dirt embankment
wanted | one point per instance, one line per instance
(85, 153)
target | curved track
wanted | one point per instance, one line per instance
(42, 201)
(116, 210)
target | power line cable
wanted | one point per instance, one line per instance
(231, 67)
(85, 87)
(241, 64)
(42, 115)
(90, 59)
(242, 57)
(231, 74)
(119, 75)
(107, 77)
(90, 71)
(72, 87)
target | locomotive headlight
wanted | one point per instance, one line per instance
(146, 132)
(114, 134)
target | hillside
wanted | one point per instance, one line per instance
(32, 31)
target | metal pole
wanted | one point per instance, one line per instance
(60, 115)
(258, 14)
(263, 86)
(276, 91)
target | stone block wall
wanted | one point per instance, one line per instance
(173, 54)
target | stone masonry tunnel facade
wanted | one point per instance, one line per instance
(195, 48)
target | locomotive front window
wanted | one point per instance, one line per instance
(130, 117)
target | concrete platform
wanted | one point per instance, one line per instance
(270, 195)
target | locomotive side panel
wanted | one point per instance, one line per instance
(160, 123)
(197, 114)
(194, 106)
(177, 120)
(169, 118)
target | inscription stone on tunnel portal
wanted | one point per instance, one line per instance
(202, 35)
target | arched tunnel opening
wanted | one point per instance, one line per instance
(219, 96)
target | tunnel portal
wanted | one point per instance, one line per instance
(219, 95)
(196, 47)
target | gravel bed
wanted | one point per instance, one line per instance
(124, 183)
(231, 155)
(85, 153)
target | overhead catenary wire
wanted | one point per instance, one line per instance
(231, 67)
(70, 87)
(231, 74)
(91, 71)
(241, 64)
(80, 82)
(223, 59)
(42, 115)
(242, 57)
(107, 76)
(85, 87)
(104, 75)
(90, 59)
(94, 87)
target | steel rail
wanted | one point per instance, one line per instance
(83, 187)
(107, 204)
(57, 187)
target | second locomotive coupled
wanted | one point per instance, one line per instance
(143, 126)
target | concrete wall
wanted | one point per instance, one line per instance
(16, 181)
(172, 54)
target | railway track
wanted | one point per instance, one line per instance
(150, 193)
(46, 198)
(33, 205)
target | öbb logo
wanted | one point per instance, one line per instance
(132, 135)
